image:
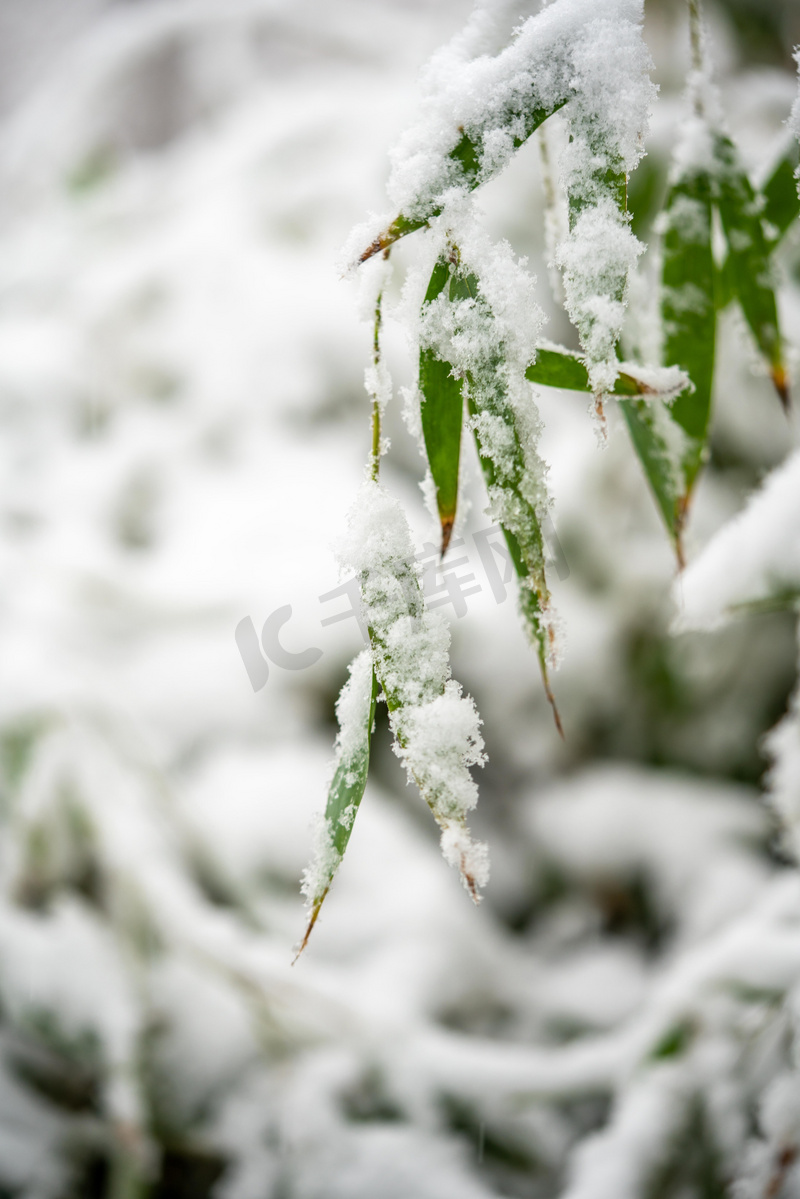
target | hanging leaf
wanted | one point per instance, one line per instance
(471, 162)
(647, 420)
(689, 316)
(672, 456)
(558, 367)
(356, 713)
(436, 728)
(749, 259)
(648, 423)
(508, 480)
(781, 198)
(523, 534)
(780, 207)
(442, 413)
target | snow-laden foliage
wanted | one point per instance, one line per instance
(181, 440)
(436, 728)
(477, 332)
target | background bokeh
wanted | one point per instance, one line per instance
(183, 426)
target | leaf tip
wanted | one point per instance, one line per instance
(374, 248)
(780, 380)
(384, 241)
(551, 699)
(447, 533)
(312, 920)
(600, 417)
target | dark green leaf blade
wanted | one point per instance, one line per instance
(442, 418)
(644, 420)
(749, 258)
(344, 795)
(559, 368)
(689, 314)
(567, 370)
(522, 531)
(504, 468)
(442, 413)
(781, 198)
(781, 207)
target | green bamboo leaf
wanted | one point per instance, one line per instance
(566, 369)
(523, 534)
(749, 258)
(781, 207)
(647, 422)
(781, 198)
(505, 470)
(436, 727)
(689, 315)
(559, 368)
(356, 712)
(470, 167)
(442, 413)
(724, 285)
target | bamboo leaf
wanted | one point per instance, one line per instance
(559, 368)
(523, 534)
(647, 420)
(781, 207)
(356, 712)
(647, 423)
(442, 413)
(565, 369)
(504, 470)
(749, 258)
(470, 166)
(507, 476)
(435, 726)
(781, 198)
(689, 315)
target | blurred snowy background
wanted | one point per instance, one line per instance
(183, 427)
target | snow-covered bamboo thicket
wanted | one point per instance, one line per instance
(184, 429)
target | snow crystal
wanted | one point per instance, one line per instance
(688, 214)
(596, 259)
(658, 382)
(438, 734)
(354, 700)
(563, 55)
(324, 863)
(694, 150)
(471, 858)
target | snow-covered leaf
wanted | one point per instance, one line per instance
(781, 197)
(356, 713)
(442, 414)
(436, 728)
(749, 258)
